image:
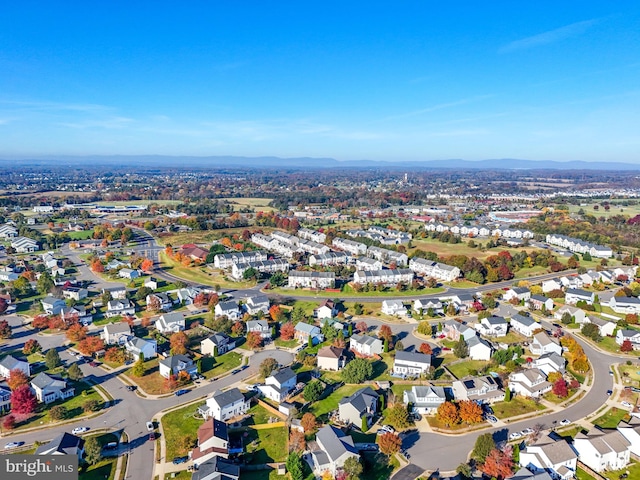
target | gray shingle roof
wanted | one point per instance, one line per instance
(228, 397)
(335, 442)
(413, 357)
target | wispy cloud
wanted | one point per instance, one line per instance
(53, 106)
(108, 123)
(440, 106)
(549, 37)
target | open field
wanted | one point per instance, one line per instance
(255, 204)
(138, 202)
(444, 249)
(615, 209)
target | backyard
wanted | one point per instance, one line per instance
(151, 382)
(611, 418)
(266, 445)
(330, 403)
(180, 429)
(467, 367)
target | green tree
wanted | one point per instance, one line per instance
(461, 350)
(74, 372)
(358, 308)
(92, 451)
(52, 359)
(294, 466)
(591, 331)
(357, 371)
(399, 346)
(464, 470)
(138, 369)
(484, 444)
(58, 412)
(507, 395)
(352, 468)
(566, 318)
(267, 366)
(312, 391)
(398, 416)
(45, 283)
(22, 287)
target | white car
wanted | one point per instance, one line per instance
(514, 435)
(565, 422)
(12, 445)
(79, 430)
(626, 404)
(386, 429)
(527, 431)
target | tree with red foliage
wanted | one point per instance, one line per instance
(23, 401)
(362, 327)
(5, 329)
(31, 346)
(200, 299)
(76, 332)
(3, 305)
(425, 348)
(385, 333)
(91, 345)
(213, 300)
(40, 322)
(287, 331)
(237, 329)
(146, 265)
(276, 313)
(9, 422)
(389, 443)
(17, 378)
(560, 388)
(505, 273)
(97, 266)
(254, 340)
(171, 383)
(498, 464)
(626, 346)
(631, 318)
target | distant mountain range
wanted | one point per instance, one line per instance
(151, 161)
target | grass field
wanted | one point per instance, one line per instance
(462, 369)
(203, 275)
(330, 403)
(445, 249)
(151, 382)
(255, 204)
(611, 418)
(176, 426)
(212, 367)
(616, 209)
(266, 446)
(517, 406)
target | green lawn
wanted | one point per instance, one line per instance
(517, 406)
(611, 418)
(83, 235)
(330, 403)
(259, 415)
(390, 292)
(285, 343)
(178, 425)
(511, 337)
(262, 475)
(582, 475)
(464, 368)
(151, 382)
(105, 469)
(183, 475)
(633, 470)
(215, 366)
(266, 446)
(376, 466)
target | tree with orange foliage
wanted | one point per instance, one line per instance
(171, 383)
(114, 355)
(498, 464)
(146, 265)
(276, 313)
(168, 250)
(254, 340)
(287, 331)
(426, 348)
(16, 379)
(91, 345)
(385, 333)
(200, 299)
(76, 332)
(237, 329)
(389, 443)
(470, 412)
(362, 327)
(183, 377)
(128, 319)
(97, 266)
(40, 322)
(309, 422)
(297, 441)
(448, 413)
(179, 342)
(186, 261)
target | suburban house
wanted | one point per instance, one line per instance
(354, 248)
(52, 305)
(225, 405)
(330, 258)
(213, 439)
(49, 388)
(424, 304)
(481, 389)
(631, 431)
(307, 333)
(393, 307)
(542, 343)
(79, 312)
(75, 293)
(454, 330)
(331, 358)
(575, 295)
(162, 300)
(117, 293)
(625, 304)
(492, 327)
(368, 264)
(411, 364)
(334, 449)
(229, 309)
(555, 457)
(10, 362)
(363, 404)
(227, 260)
(517, 293)
(603, 450)
(152, 283)
(383, 277)
(24, 245)
(175, 364)
(327, 309)
(529, 383)
(632, 335)
(577, 314)
(128, 273)
(217, 344)
(194, 252)
(605, 327)
(171, 322)
(116, 333)
(299, 278)
(279, 384)
(216, 468)
(479, 348)
(366, 345)
(8, 275)
(429, 268)
(5, 398)
(63, 444)
(260, 326)
(120, 307)
(550, 285)
(186, 296)
(424, 399)
(550, 362)
(537, 302)
(146, 346)
(257, 303)
(523, 325)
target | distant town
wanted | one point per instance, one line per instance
(354, 323)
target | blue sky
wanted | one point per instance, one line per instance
(410, 80)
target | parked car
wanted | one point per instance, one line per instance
(386, 429)
(93, 364)
(514, 435)
(182, 391)
(178, 460)
(492, 419)
(150, 426)
(131, 388)
(626, 404)
(609, 392)
(527, 431)
(565, 422)
(12, 445)
(79, 430)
